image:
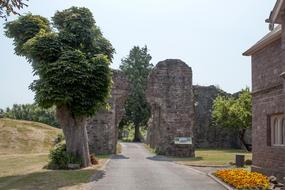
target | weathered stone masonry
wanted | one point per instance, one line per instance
(102, 129)
(205, 135)
(268, 89)
(169, 93)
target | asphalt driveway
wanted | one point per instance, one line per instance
(137, 169)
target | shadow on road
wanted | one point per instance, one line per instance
(173, 159)
(159, 158)
(118, 157)
(98, 175)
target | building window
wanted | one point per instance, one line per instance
(278, 130)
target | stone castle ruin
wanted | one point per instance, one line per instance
(178, 110)
(207, 136)
(169, 93)
(103, 128)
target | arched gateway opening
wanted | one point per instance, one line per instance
(103, 128)
(170, 95)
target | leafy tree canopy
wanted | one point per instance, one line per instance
(235, 113)
(70, 56)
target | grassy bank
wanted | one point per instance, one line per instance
(26, 137)
(24, 148)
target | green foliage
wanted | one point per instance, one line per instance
(137, 67)
(60, 158)
(72, 59)
(233, 113)
(128, 129)
(31, 112)
(25, 28)
(77, 29)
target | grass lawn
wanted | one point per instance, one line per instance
(209, 157)
(26, 172)
(213, 157)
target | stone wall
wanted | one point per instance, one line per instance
(102, 129)
(169, 93)
(205, 135)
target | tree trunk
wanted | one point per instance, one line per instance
(75, 133)
(241, 137)
(137, 134)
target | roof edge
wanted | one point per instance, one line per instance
(266, 40)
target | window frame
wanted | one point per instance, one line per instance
(277, 127)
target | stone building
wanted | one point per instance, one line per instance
(268, 89)
(205, 135)
(103, 128)
(169, 93)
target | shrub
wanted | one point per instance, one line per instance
(59, 158)
(93, 159)
(243, 179)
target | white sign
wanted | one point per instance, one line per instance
(182, 140)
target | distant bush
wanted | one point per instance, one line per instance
(59, 158)
(129, 131)
(31, 112)
(1, 113)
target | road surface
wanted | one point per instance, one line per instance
(137, 169)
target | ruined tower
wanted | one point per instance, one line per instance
(169, 93)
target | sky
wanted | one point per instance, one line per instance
(210, 36)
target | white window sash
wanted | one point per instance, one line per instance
(278, 130)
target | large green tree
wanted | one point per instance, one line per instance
(136, 66)
(235, 113)
(71, 60)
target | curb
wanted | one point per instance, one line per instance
(220, 182)
(205, 166)
(226, 186)
(197, 171)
